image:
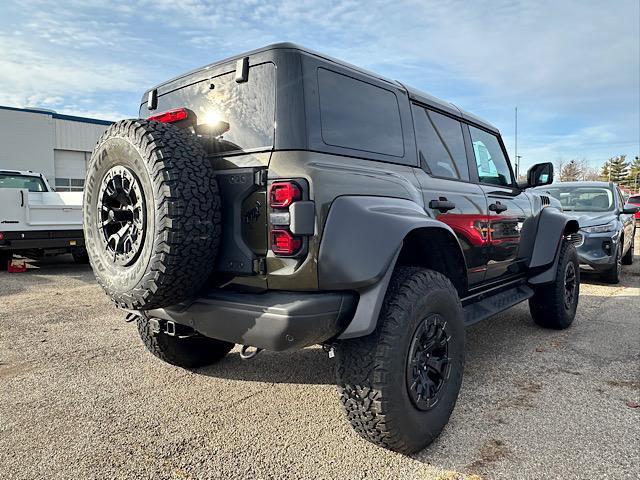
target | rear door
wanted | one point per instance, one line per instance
(509, 207)
(449, 195)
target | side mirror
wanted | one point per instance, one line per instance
(630, 209)
(540, 174)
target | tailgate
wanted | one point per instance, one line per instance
(234, 120)
(244, 221)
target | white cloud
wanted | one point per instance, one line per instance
(572, 66)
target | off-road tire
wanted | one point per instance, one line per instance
(547, 306)
(371, 371)
(5, 258)
(190, 352)
(612, 275)
(182, 225)
(627, 259)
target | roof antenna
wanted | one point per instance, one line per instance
(515, 157)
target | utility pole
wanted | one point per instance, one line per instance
(515, 156)
(518, 165)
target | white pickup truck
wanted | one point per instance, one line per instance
(36, 221)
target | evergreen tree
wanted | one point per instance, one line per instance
(604, 174)
(571, 172)
(634, 173)
(617, 169)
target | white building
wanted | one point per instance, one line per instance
(58, 146)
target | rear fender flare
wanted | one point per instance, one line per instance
(362, 239)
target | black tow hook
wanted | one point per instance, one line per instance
(245, 354)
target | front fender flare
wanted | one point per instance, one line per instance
(552, 227)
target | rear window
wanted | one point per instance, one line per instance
(358, 115)
(33, 184)
(233, 116)
(635, 200)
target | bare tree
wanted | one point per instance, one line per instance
(588, 173)
(571, 171)
(558, 165)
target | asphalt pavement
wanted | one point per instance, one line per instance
(80, 397)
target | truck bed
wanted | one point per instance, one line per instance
(21, 210)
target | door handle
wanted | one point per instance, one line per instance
(442, 204)
(21, 198)
(497, 207)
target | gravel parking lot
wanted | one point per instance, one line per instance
(81, 398)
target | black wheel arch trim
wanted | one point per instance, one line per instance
(361, 243)
(363, 234)
(553, 225)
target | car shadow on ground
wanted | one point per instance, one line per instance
(629, 277)
(490, 338)
(309, 366)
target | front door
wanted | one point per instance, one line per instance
(509, 207)
(449, 196)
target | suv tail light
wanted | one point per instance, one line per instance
(283, 243)
(171, 116)
(1, 236)
(283, 194)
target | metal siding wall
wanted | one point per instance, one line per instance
(71, 135)
(26, 142)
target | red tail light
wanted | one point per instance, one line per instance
(283, 194)
(283, 243)
(171, 116)
(1, 236)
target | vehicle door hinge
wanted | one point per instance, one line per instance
(261, 178)
(260, 266)
(152, 99)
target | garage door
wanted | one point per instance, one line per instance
(70, 168)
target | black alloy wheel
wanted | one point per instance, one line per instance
(121, 215)
(570, 282)
(428, 363)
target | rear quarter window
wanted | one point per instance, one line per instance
(358, 115)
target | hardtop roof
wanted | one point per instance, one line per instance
(413, 93)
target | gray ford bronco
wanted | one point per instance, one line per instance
(281, 199)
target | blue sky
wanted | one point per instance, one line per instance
(572, 67)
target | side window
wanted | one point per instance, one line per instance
(357, 115)
(620, 198)
(490, 160)
(440, 144)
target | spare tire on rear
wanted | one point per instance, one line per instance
(151, 214)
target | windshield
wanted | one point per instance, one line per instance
(33, 184)
(584, 198)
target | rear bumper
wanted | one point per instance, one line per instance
(43, 239)
(274, 320)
